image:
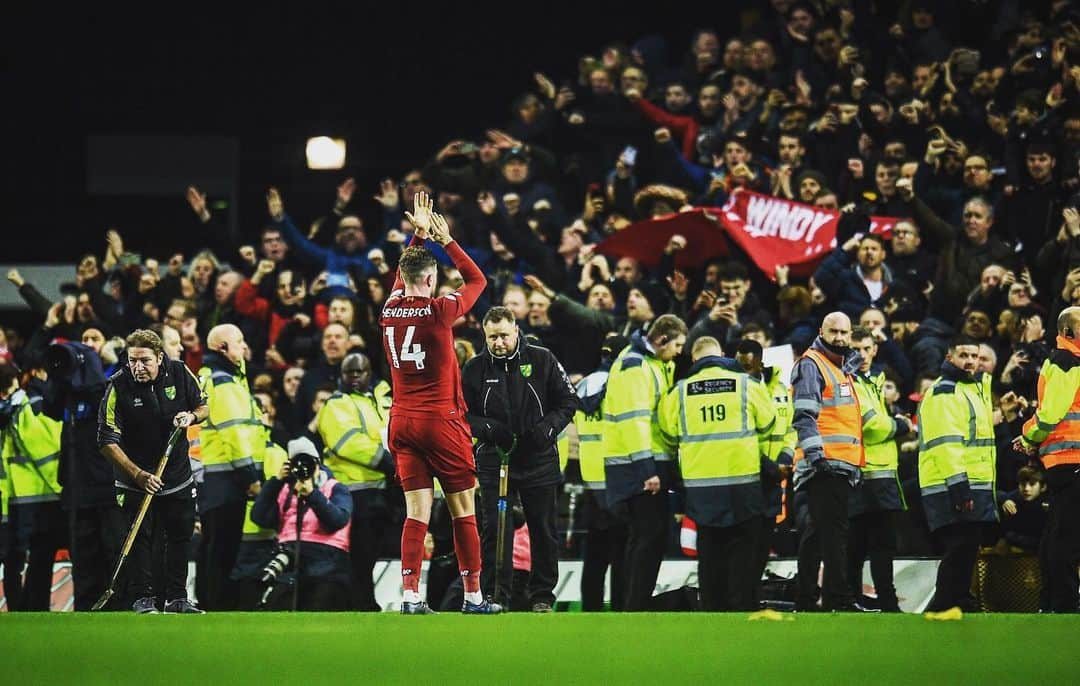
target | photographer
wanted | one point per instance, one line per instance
(306, 487)
(519, 399)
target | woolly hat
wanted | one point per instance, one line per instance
(656, 295)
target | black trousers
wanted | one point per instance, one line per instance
(99, 534)
(539, 503)
(35, 532)
(605, 546)
(1060, 548)
(171, 520)
(645, 544)
(826, 539)
(761, 552)
(727, 563)
(960, 543)
(222, 529)
(370, 519)
(873, 536)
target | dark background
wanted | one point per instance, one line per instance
(397, 81)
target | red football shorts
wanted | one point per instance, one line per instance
(426, 448)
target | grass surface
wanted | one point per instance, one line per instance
(604, 649)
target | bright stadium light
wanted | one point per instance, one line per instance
(324, 152)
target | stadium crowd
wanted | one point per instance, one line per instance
(961, 119)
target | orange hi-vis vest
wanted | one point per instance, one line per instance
(840, 419)
(1059, 386)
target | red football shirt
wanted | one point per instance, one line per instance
(419, 343)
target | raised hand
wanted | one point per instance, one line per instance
(274, 204)
(1072, 220)
(675, 244)
(247, 254)
(388, 194)
(440, 230)
(534, 282)
(265, 268)
(545, 85)
(345, 193)
(421, 216)
(197, 201)
(486, 201)
(114, 242)
(678, 284)
(15, 278)
(502, 140)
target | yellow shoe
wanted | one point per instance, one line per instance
(953, 614)
(770, 615)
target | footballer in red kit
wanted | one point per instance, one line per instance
(428, 434)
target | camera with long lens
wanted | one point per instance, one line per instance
(303, 466)
(281, 562)
(76, 365)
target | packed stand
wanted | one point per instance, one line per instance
(961, 119)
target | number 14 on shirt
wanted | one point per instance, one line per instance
(410, 352)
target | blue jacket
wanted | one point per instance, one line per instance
(335, 262)
(838, 278)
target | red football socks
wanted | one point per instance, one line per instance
(412, 552)
(467, 546)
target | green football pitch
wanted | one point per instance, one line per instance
(603, 649)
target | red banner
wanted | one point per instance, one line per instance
(772, 231)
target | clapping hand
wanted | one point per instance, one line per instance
(420, 217)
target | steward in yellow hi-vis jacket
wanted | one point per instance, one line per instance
(638, 463)
(605, 529)
(353, 428)
(28, 462)
(721, 418)
(875, 501)
(1055, 430)
(232, 442)
(956, 468)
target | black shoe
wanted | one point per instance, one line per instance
(854, 607)
(541, 607)
(183, 606)
(145, 606)
(420, 608)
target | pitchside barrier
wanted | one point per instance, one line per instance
(1007, 582)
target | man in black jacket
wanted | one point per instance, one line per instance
(519, 399)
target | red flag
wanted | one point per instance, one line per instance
(645, 240)
(772, 231)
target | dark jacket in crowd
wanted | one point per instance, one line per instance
(527, 394)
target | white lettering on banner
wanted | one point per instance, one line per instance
(820, 219)
(756, 210)
(767, 217)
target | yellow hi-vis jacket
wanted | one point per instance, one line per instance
(635, 449)
(31, 453)
(352, 426)
(721, 418)
(956, 449)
